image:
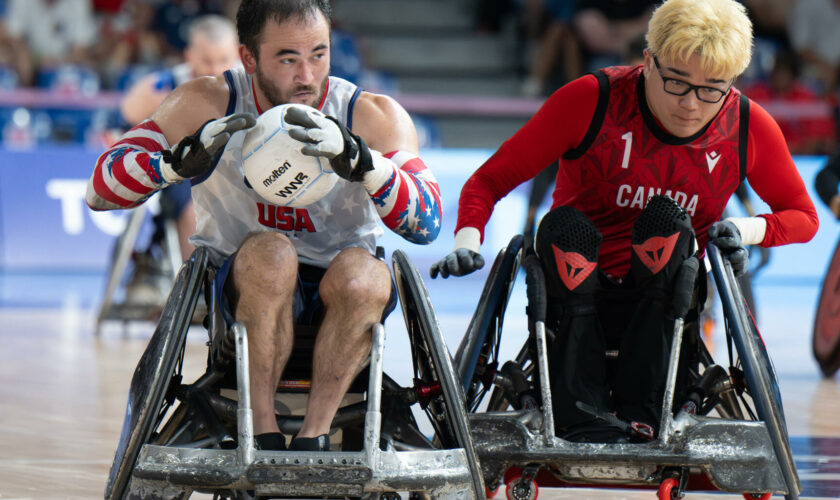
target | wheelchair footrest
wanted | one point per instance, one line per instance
(736, 455)
(168, 472)
(309, 473)
(286, 473)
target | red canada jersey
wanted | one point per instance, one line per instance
(626, 158)
(614, 156)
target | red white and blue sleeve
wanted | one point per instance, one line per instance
(406, 195)
(130, 171)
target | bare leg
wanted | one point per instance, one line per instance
(264, 277)
(354, 290)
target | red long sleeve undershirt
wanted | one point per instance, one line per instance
(560, 125)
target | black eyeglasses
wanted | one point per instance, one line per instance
(675, 86)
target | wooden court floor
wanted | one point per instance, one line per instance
(63, 393)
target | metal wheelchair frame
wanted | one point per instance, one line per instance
(157, 459)
(751, 457)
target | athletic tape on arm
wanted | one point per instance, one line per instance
(752, 229)
(130, 171)
(406, 195)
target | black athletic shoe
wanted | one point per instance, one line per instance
(595, 431)
(270, 441)
(662, 239)
(320, 443)
(567, 244)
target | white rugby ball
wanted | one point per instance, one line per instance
(275, 168)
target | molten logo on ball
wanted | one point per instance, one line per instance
(277, 170)
(275, 174)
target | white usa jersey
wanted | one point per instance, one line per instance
(227, 210)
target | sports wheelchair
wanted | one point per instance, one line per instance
(162, 271)
(730, 433)
(825, 339)
(179, 438)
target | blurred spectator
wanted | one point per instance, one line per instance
(490, 14)
(815, 36)
(347, 61)
(125, 38)
(635, 53)
(171, 21)
(606, 27)
(213, 48)
(770, 18)
(229, 7)
(807, 129)
(46, 33)
(7, 71)
(551, 22)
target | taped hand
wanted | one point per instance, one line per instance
(325, 136)
(198, 153)
(725, 235)
(458, 263)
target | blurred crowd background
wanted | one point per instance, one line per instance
(456, 65)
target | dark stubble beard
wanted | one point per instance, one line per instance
(276, 97)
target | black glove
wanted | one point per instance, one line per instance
(198, 153)
(725, 235)
(458, 263)
(325, 136)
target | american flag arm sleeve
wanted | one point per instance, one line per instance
(406, 195)
(131, 170)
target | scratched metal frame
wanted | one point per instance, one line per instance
(169, 472)
(736, 455)
(176, 470)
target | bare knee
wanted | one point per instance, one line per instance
(355, 278)
(268, 262)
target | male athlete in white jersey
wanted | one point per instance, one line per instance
(285, 264)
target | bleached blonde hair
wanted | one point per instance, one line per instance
(719, 31)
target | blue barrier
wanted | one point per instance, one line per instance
(46, 226)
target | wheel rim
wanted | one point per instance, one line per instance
(518, 489)
(826, 334)
(147, 404)
(758, 370)
(435, 363)
(475, 347)
(666, 489)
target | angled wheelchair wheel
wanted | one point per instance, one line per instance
(156, 371)
(120, 256)
(761, 383)
(825, 340)
(435, 381)
(477, 356)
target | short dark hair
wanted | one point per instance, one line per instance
(253, 14)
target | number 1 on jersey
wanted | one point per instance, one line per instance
(628, 141)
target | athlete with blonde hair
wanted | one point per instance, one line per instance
(649, 156)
